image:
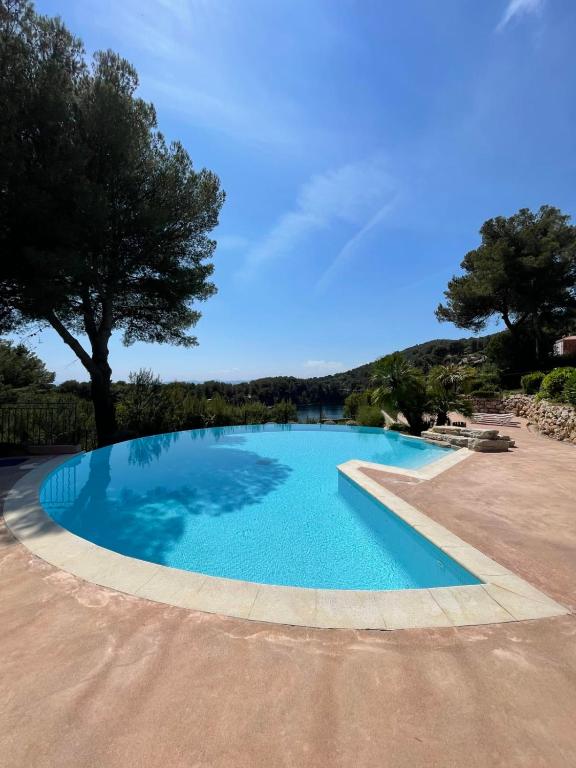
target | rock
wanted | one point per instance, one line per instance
(488, 446)
(429, 435)
(485, 434)
(460, 441)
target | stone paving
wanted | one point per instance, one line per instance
(92, 678)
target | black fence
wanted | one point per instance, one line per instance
(54, 423)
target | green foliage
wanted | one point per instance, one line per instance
(486, 394)
(105, 226)
(469, 351)
(369, 416)
(570, 389)
(400, 387)
(144, 407)
(513, 352)
(531, 382)
(524, 273)
(552, 387)
(355, 401)
(21, 372)
(79, 389)
(283, 412)
(446, 385)
(487, 379)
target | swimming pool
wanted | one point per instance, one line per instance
(259, 503)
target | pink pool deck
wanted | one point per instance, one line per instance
(90, 677)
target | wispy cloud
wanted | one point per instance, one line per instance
(193, 59)
(517, 8)
(347, 251)
(324, 366)
(354, 194)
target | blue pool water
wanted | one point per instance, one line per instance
(259, 503)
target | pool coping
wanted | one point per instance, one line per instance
(502, 597)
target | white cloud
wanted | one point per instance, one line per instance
(354, 194)
(519, 8)
(324, 365)
(192, 59)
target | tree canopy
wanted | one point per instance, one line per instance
(103, 225)
(21, 369)
(523, 272)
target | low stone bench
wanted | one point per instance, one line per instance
(480, 440)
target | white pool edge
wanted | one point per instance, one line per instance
(502, 597)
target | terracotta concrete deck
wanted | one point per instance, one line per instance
(92, 678)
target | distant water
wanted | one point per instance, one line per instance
(333, 412)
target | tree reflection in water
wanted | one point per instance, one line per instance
(116, 510)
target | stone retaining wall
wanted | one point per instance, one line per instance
(551, 419)
(488, 405)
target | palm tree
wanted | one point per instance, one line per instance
(400, 388)
(446, 391)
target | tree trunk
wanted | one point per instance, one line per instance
(537, 338)
(98, 368)
(104, 411)
(441, 418)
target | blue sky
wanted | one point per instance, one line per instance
(361, 146)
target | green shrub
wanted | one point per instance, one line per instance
(283, 412)
(369, 416)
(531, 382)
(483, 381)
(552, 387)
(354, 401)
(570, 389)
(488, 394)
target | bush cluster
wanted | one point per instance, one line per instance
(369, 416)
(554, 383)
(559, 385)
(531, 382)
(570, 389)
(173, 408)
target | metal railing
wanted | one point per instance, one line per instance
(41, 423)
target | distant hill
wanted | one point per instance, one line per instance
(469, 350)
(335, 387)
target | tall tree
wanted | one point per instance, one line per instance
(103, 225)
(523, 272)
